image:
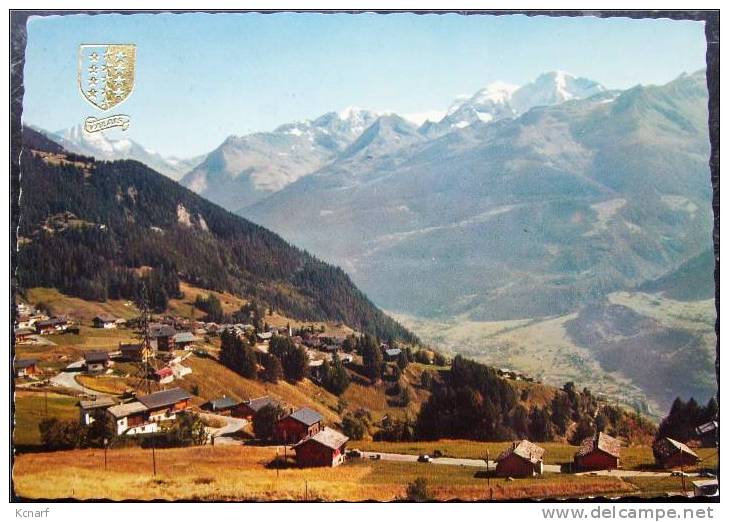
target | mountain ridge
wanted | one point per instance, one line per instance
(89, 226)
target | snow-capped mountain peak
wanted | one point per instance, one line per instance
(496, 92)
(101, 146)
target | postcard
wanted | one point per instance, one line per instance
(364, 256)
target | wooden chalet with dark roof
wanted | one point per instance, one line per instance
(325, 448)
(600, 451)
(96, 361)
(298, 425)
(248, 409)
(672, 454)
(522, 459)
(164, 405)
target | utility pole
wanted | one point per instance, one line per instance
(683, 475)
(488, 470)
(106, 447)
(154, 460)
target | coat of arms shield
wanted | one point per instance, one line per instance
(106, 73)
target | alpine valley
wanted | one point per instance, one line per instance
(558, 228)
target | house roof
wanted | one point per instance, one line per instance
(666, 447)
(51, 322)
(265, 335)
(707, 427)
(392, 352)
(185, 337)
(21, 364)
(326, 437)
(602, 442)
(524, 449)
(161, 330)
(164, 398)
(260, 402)
(130, 347)
(96, 356)
(306, 416)
(98, 402)
(24, 331)
(223, 403)
(124, 410)
(164, 372)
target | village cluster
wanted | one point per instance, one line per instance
(169, 341)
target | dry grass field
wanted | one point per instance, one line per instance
(30, 409)
(240, 473)
(631, 458)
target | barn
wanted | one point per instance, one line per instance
(297, 426)
(600, 451)
(671, 454)
(325, 448)
(522, 459)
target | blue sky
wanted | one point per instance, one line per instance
(202, 77)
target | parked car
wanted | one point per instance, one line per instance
(376, 456)
(354, 454)
(424, 458)
(679, 474)
(707, 474)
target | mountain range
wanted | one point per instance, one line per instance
(521, 208)
(517, 217)
(100, 146)
(90, 228)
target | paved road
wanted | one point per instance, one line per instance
(632, 473)
(232, 425)
(66, 378)
(401, 457)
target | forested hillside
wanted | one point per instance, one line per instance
(94, 229)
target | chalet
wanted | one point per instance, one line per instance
(164, 405)
(708, 433)
(25, 367)
(325, 448)
(600, 451)
(29, 320)
(51, 326)
(522, 459)
(392, 354)
(184, 340)
(93, 409)
(131, 418)
(161, 336)
(671, 454)
(164, 375)
(104, 321)
(298, 425)
(248, 409)
(706, 488)
(96, 361)
(23, 335)
(134, 352)
(222, 406)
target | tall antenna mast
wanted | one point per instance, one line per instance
(146, 367)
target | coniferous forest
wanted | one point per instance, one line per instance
(98, 230)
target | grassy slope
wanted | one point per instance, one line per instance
(30, 409)
(240, 473)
